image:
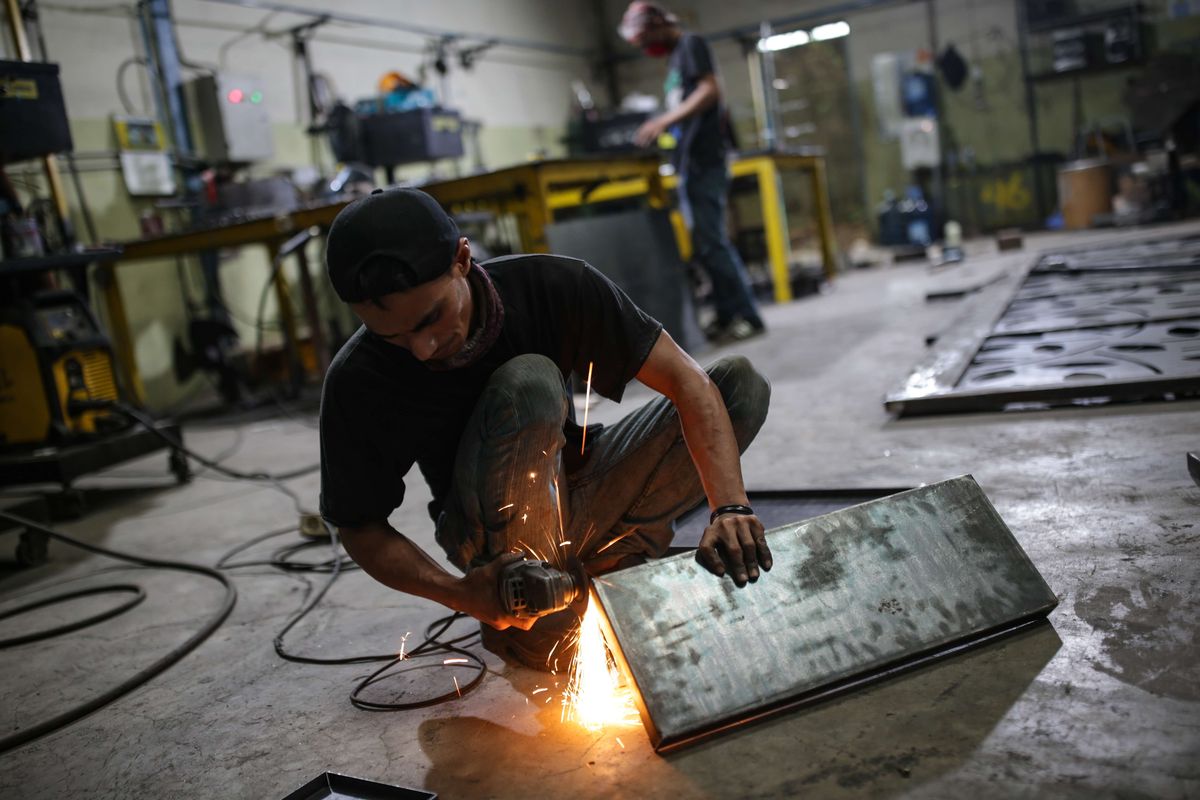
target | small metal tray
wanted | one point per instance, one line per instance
(344, 787)
(776, 507)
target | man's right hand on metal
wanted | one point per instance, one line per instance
(736, 543)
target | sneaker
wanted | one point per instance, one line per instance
(714, 330)
(741, 330)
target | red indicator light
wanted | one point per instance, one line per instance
(236, 95)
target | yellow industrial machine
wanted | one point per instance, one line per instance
(56, 371)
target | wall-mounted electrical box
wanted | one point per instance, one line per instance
(229, 120)
(33, 117)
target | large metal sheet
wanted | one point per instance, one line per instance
(1078, 327)
(853, 596)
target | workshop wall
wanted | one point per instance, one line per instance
(521, 97)
(985, 121)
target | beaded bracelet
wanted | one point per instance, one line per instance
(735, 509)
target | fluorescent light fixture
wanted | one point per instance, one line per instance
(834, 30)
(782, 41)
(821, 33)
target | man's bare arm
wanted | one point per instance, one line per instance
(394, 560)
(735, 541)
(706, 94)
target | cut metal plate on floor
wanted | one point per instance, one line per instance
(854, 596)
(1176, 252)
(343, 787)
(1078, 327)
(776, 507)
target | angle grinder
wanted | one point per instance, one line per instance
(530, 588)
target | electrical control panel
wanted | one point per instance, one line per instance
(229, 120)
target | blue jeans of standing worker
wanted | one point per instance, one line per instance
(512, 492)
(703, 197)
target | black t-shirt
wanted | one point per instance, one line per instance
(382, 410)
(699, 138)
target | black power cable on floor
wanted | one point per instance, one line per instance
(430, 647)
(125, 588)
(273, 479)
(334, 567)
(77, 712)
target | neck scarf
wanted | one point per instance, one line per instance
(490, 311)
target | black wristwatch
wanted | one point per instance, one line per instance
(746, 511)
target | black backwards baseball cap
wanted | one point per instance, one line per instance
(389, 241)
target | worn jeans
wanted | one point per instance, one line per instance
(703, 193)
(511, 490)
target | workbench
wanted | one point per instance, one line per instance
(766, 169)
(530, 192)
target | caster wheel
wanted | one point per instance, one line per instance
(179, 466)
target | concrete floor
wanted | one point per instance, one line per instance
(1104, 701)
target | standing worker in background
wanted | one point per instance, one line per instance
(694, 116)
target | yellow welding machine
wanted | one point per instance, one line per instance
(56, 372)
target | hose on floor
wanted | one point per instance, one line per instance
(75, 713)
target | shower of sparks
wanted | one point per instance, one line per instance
(594, 697)
(558, 504)
(523, 547)
(455, 661)
(614, 541)
(587, 402)
(456, 689)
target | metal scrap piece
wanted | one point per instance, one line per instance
(853, 596)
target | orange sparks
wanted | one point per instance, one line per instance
(614, 541)
(403, 639)
(594, 697)
(558, 504)
(456, 689)
(505, 508)
(541, 689)
(587, 402)
(620, 742)
(455, 661)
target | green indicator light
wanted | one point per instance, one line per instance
(256, 97)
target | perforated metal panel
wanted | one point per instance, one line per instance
(1109, 322)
